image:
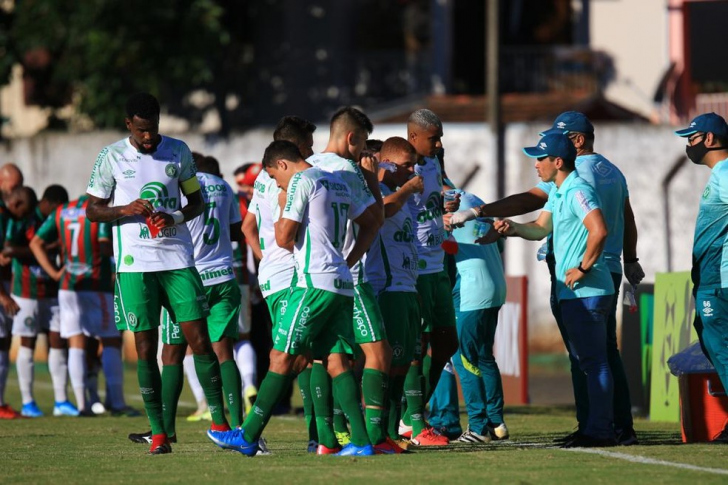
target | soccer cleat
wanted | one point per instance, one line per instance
(125, 412)
(250, 395)
(569, 437)
(471, 437)
(585, 441)
(86, 413)
(6, 412)
(262, 448)
(404, 430)
(160, 445)
(352, 450)
(312, 446)
(202, 414)
(65, 408)
(146, 438)
(627, 437)
(31, 410)
(403, 443)
(428, 437)
(343, 437)
(324, 450)
(451, 433)
(388, 447)
(499, 432)
(233, 440)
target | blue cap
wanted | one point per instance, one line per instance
(570, 121)
(706, 123)
(553, 145)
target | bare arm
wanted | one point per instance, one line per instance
(98, 210)
(195, 206)
(630, 233)
(393, 203)
(37, 246)
(286, 230)
(369, 168)
(533, 231)
(594, 223)
(368, 230)
(252, 236)
(515, 205)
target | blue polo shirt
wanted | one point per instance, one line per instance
(611, 188)
(569, 205)
(710, 244)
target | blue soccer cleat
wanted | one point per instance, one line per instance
(31, 410)
(352, 450)
(233, 440)
(65, 408)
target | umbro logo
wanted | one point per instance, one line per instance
(707, 309)
(542, 146)
(561, 125)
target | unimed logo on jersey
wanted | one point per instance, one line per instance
(157, 194)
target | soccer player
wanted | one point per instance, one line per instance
(707, 137)
(424, 132)
(319, 310)
(37, 297)
(349, 129)
(8, 308)
(611, 188)
(85, 297)
(584, 285)
(137, 184)
(10, 179)
(392, 272)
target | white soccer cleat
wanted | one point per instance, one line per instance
(499, 432)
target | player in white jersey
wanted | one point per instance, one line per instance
(137, 184)
(316, 320)
(349, 130)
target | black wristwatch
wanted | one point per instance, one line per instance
(585, 271)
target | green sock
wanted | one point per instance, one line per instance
(304, 386)
(396, 388)
(321, 397)
(150, 386)
(233, 388)
(374, 387)
(173, 378)
(340, 425)
(208, 372)
(271, 390)
(415, 403)
(427, 388)
(345, 389)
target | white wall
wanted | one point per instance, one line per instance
(645, 153)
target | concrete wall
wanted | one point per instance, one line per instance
(645, 153)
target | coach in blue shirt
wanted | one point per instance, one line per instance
(584, 286)
(707, 138)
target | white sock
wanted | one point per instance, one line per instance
(77, 372)
(189, 366)
(245, 358)
(114, 372)
(4, 368)
(58, 366)
(24, 365)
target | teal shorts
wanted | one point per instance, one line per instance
(401, 312)
(224, 302)
(315, 321)
(436, 304)
(139, 298)
(368, 321)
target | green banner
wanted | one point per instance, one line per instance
(673, 331)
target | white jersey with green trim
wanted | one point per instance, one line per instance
(322, 203)
(211, 231)
(276, 269)
(123, 174)
(426, 210)
(392, 258)
(352, 175)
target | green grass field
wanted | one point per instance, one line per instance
(96, 450)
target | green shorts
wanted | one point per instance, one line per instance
(277, 305)
(224, 302)
(139, 298)
(368, 321)
(314, 320)
(435, 301)
(401, 312)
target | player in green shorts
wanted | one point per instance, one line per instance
(316, 318)
(137, 184)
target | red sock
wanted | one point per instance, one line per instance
(220, 427)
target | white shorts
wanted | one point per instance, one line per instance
(35, 316)
(87, 312)
(245, 318)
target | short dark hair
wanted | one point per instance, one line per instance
(374, 145)
(55, 194)
(24, 191)
(723, 140)
(209, 165)
(294, 129)
(396, 144)
(143, 105)
(281, 149)
(353, 118)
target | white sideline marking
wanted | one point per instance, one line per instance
(649, 461)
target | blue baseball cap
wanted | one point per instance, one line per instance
(706, 123)
(553, 145)
(570, 121)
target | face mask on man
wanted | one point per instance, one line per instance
(696, 153)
